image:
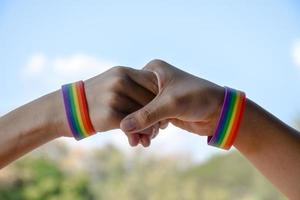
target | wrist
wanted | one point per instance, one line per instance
(229, 119)
(216, 96)
(248, 140)
(55, 116)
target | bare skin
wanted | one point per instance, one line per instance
(272, 147)
(138, 100)
(194, 104)
(111, 96)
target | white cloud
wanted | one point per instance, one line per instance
(296, 53)
(51, 73)
(80, 64)
(42, 74)
(35, 65)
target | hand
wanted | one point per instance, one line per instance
(187, 101)
(116, 93)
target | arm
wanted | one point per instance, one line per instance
(273, 148)
(194, 104)
(30, 126)
(110, 96)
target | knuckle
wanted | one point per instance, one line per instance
(113, 100)
(112, 115)
(119, 70)
(119, 82)
(109, 114)
(144, 116)
(156, 62)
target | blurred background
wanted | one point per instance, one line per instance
(249, 45)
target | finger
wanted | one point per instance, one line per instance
(133, 139)
(114, 116)
(146, 79)
(163, 124)
(200, 127)
(137, 93)
(123, 104)
(157, 110)
(145, 140)
(155, 131)
(151, 131)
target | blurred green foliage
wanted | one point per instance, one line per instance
(56, 172)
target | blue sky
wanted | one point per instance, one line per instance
(243, 44)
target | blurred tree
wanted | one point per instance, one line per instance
(107, 173)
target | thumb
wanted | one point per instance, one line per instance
(150, 114)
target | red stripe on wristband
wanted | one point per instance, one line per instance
(230, 119)
(76, 108)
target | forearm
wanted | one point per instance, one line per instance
(30, 126)
(272, 146)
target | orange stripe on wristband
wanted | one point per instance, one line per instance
(76, 108)
(230, 118)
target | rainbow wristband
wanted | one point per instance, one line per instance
(230, 119)
(77, 110)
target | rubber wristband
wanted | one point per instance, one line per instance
(76, 109)
(230, 119)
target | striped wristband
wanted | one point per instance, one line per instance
(230, 119)
(77, 110)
